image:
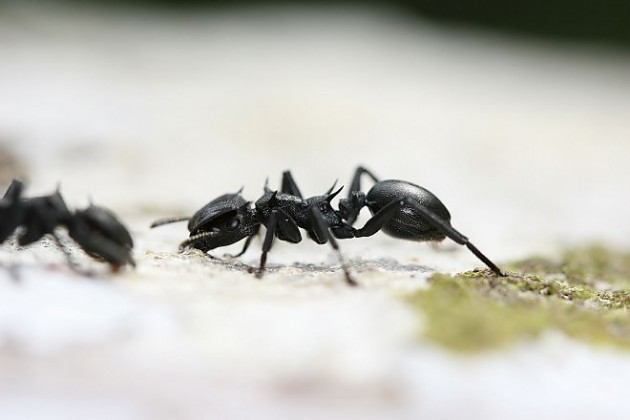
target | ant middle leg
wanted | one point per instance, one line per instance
(289, 186)
(280, 225)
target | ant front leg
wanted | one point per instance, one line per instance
(285, 228)
(388, 212)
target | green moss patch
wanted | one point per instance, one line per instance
(583, 295)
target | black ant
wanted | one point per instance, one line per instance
(95, 229)
(399, 208)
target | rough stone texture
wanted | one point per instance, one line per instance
(154, 115)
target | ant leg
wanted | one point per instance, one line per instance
(386, 213)
(15, 190)
(356, 179)
(247, 242)
(280, 225)
(168, 220)
(71, 262)
(289, 186)
(287, 228)
(267, 243)
(454, 235)
(351, 207)
(321, 231)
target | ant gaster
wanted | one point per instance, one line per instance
(95, 229)
(401, 209)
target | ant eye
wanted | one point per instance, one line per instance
(323, 208)
(234, 224)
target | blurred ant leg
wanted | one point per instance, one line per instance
(74, 266)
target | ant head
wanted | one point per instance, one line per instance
(99, 233)
(223, 221)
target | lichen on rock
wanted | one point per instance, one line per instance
(584, 295)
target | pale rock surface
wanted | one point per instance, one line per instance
(154, 115)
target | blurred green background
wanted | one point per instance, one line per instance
(604, 21)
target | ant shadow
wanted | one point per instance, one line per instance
(357, 265)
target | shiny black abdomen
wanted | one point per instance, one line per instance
(409, 223)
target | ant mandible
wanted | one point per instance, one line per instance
(399, 208)
(95, 229)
